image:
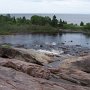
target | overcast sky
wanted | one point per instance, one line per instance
(45, 6)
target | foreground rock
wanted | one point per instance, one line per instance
(75, 70)
(28, 55)
(21, 69)
(28, 68)
(14, 80)
(66, 73)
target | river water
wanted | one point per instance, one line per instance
(32, 40)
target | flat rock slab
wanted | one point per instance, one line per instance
(28, 68)
(14, 80)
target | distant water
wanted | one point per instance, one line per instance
(70, 18)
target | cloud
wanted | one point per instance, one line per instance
(45, 6)
(33, 0)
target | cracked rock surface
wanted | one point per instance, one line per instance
(20, 69)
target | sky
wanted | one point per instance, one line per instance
(45, 6)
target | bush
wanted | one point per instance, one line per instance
(72, 27)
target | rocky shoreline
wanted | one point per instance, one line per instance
(74, 50)
(30, 69)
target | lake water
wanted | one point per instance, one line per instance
(70, 18)
(42, 39)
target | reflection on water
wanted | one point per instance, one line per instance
(67, 38)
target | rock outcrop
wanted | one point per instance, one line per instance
(11, 79)
(23, 69)
(75, 70)
(28, 68)
(28, 55)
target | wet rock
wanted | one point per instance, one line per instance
(62, 43)
(20, 46)
(75, 50)
(41, 46)
(78, 45)
(71, 41)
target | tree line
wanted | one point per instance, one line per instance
(41, 21)
(35, 19)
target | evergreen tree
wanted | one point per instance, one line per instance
(54, 21)
(61, 23)
(13, 20)
(81, 24)
(24, 20)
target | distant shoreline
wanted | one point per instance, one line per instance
(65, 16)
(49, 33)
(39, 24)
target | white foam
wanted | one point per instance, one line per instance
(48, 43)
(53, 43)
(53, 52)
